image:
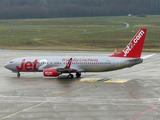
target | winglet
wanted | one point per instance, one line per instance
(134, 47)
(69, 63)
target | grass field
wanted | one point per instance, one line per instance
(84, 33)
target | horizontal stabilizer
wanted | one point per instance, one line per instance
(147, 56)
(115, 51)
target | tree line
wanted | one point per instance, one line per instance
(75, 8)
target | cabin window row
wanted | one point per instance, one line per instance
(58, 63)
(76, 63)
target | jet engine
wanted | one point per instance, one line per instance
(51, 73)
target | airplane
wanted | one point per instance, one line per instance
(53, 66)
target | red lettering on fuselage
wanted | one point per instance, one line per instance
(22, 64)
(35, 63)
(28, 65)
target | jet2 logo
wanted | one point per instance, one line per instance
(28, 65)
(133, 43)
(44, 61)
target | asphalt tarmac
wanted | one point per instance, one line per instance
(128, 94)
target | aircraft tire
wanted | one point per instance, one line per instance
(18, 74)
(70, 76)
(78, 74)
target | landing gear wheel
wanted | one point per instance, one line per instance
(18, 74)
(78, 74)
(70, 76)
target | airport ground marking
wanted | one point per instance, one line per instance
(147, 110)
(116, 81)
(101, 79)
(39, 104)
(89, 79)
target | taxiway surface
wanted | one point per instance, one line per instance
(128, 94)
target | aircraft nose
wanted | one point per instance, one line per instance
(6, 66)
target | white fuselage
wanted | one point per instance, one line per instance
(79, 63)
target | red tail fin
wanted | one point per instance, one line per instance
(69, 63)
(135, 46)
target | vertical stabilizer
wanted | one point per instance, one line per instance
(135, 46)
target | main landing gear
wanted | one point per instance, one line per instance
(78, 75)
(18, 74)
(70, 76)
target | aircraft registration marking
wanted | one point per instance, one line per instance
(89, 79)
(116, 81)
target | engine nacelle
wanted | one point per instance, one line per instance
(51, 72)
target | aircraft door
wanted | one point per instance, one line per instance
(18, 64)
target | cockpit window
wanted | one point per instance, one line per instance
(11, 62)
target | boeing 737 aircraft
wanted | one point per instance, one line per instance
(57, 65)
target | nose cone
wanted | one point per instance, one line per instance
(6, 66)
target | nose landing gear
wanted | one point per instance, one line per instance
(18, 74)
